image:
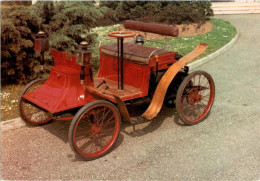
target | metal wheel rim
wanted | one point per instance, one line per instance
(195, 96)
(93, 130)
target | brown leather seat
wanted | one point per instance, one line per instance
(132, 52)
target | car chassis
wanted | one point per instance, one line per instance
(128, 73)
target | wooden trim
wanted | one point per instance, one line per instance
(163, 85)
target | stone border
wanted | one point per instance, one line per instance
(18, 122)
(209, 57)
(12, 124)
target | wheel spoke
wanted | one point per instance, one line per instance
(188, 106)
(104, 116)
(206, 96)
(203, 80)
(92, 143)
(204, 90)
(108, 123)
(108, 130)
(86, 136)
(198, 105)
(199, 80)
(87, 119)
(193, 106)
(83, 131)
(81, 127)
(99, 142)
(205, 101)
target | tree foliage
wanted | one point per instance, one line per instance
(172, 12)
(17, 48)
(68, 23)
(108, 17)
(186, 12)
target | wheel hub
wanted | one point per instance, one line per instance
(95, 129)
(194, 97)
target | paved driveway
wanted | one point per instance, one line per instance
(225, 146)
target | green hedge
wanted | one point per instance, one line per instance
(186, 12)
(18, 27)
(67, 23)
(169, 12)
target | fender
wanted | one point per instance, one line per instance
(104, 94)
(157, 101)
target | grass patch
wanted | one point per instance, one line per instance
(9, 101)
(102, 33)
(220, 35)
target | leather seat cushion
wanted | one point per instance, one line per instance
(132, 52)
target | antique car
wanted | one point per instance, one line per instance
(129, 72)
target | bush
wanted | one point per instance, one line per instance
(166, 12)
(17, 48)
(45, 11)
(129, 10)
(109, 4)
(70, 24)
(67, 23)
(186, 12)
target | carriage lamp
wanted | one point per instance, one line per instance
(139, 40)
(83, 57)
(42, 45)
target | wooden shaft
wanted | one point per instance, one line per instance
(160, 92)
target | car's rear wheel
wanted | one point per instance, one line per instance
(195, 97)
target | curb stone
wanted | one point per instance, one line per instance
(17, 123)
(12, 124)
(209, 57)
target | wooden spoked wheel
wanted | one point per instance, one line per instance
(122, 34)
(29, 112)
(94, 129)
(195, 97)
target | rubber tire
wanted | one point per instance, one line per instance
(179, 94)
(28, 86)
(75, 120)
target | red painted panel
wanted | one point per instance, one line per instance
(65, 59)
(134, 74)
(62, 90)
(164, 61)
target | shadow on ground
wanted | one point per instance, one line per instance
(142, 126)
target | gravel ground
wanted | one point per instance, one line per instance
(223, 147)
